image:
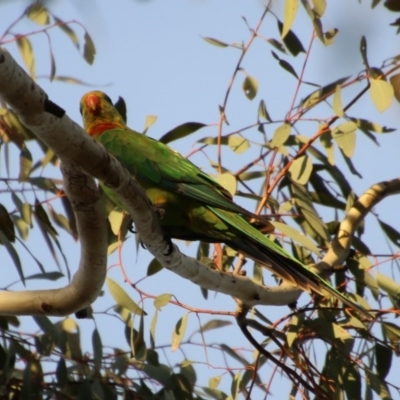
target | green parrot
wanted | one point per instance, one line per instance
(190, 204)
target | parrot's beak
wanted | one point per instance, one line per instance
(93, 102)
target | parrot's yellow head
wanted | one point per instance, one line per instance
(99, 114)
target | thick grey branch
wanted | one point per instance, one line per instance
(340, 245)
(89, 279)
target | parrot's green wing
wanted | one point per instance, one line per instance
(152, 161)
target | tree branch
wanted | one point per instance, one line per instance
(74, 147)
(89, 279)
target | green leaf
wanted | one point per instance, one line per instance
(154, 267)
(381, 93)
(262, 111)
(337, 102)
(115, 218)
(393, 333)
(391, 233)
(250, 87)
(13, 254)
(377, 385)
(214, 324)
(278, 45)
(89, 50)
(181, 131)
(238, 143)
(6, 224)
(320, 94)
(215, 42)
(37, 13)
(301, 169)
(97, 349)
(319, 7)
(122, 298)
(214, 381)
(395, 82)
(150, 120)
(363, 51)
(281, 134)
(228, 181)
(289, 15)
(162, 300)
(153, 324)
(235, 385)
(68, 31)
(179, 332)
(383, 359)
(297, 236)
(285, 65)
(293, 331)
(291, 41)
(25, 49)
(43, 218)
(388, 285)
(345, 137)
(25, 165)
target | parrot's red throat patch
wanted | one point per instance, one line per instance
(101, 127)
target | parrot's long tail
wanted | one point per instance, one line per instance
(290, 270)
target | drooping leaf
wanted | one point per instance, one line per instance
(319, 7)
(262, 111)
(297, 236)
(179, 332)
(363, 51)
(383, 358)
(154, 267)
(215, 42)
(277, 45)
(214, 381)
(289, 15)
(392, 234)
(320, 94)
(228, 181)
(181, 131)
(238, 143)
(388, 285)
(97, 349)
(337, 102)
(89, 50)
(214, 324)
(13, 254)
(281, 134)
(285, 65)
(150, 120)
(345, 137)
(122, 298)
(26, 51)
(250, 87)
(38, 13)
(291, 41)
(395, 82)
(301, 169)
(6, 224)
(68, 31)
(382, 94)
(162, 300)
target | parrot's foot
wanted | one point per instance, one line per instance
(160, 211)
(293, 306)
(169, 244)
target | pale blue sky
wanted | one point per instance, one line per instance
(151, 53)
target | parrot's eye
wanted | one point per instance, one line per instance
(107, 99)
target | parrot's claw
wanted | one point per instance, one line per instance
(169, 244)
(130, 227)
